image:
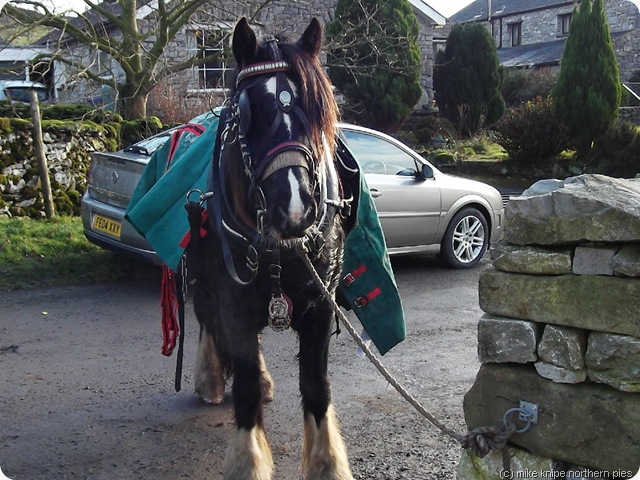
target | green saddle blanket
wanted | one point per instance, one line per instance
(156, 211)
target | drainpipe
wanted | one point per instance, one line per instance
(489, 19)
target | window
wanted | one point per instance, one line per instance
(377, 155)
(515, 30)
(564, 22)
(101, 64)
(213, 72)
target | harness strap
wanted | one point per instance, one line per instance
(215, 204)
(181, 279)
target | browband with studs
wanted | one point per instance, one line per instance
(261, 68)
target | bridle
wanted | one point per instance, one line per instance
(259, 165)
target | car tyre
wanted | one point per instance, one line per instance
(465, 240)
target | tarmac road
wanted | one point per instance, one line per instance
(86, 394)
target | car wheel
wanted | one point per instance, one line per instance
(465, 240)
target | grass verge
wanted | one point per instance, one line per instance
(43, 253)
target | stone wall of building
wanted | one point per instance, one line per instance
(542, 25)
(629, 114)
(627, 49)
(290, 18)
(562, 330)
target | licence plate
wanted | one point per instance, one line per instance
(107, 225)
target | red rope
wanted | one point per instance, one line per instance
(169, 306)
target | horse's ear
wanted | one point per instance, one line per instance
(311, 39)
(244, 43)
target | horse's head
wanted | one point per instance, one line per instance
(285, 115)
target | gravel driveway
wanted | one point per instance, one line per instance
(86, 394)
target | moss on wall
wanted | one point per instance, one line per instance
(69, 145)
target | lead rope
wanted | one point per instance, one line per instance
(480, 441)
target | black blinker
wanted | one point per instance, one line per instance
(244, 106)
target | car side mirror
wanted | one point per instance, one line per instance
(426, 172)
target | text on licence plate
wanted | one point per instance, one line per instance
(106, 225)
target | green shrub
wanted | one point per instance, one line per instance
(480, 147)
(467, 77)
(617, 152)
(587, 93)
(442, 157)
(531, 132)
(519, 86)
(374, 60)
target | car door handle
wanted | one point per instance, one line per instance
(375, 193)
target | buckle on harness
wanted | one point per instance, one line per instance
(253, 257)
(364, 300)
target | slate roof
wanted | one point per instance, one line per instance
(477, 11)
(536, 54)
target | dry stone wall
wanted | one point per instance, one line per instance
(562, 330)
(68, 152)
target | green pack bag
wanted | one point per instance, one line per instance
(368, 285)
(156, 209)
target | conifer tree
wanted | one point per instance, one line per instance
(587, 93)
(374, 60)
(467, 79)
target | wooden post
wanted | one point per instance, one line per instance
(38, 146)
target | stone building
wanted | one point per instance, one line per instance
(197, 87)
(532, 33)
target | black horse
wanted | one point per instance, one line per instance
(275, 197)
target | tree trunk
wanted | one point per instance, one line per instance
(135, 107)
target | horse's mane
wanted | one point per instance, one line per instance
(318, 102)
(317, 94)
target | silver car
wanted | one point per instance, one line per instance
(421, 209)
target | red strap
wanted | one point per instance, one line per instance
(350, 277)
(193, 128)
(169, 306)
(363, 301)
(175, 138)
